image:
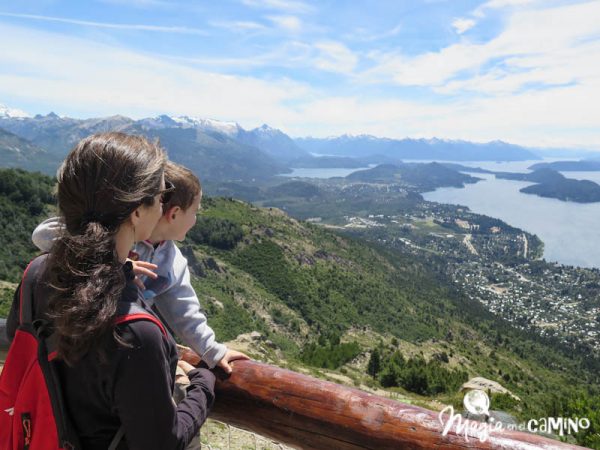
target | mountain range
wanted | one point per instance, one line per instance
(224, 151)
(428, 149)
(210, 149)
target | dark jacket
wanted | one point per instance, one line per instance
(133, 387)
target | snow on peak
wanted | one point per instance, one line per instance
(11, 113)
(265, 129)
(353, 137)
(229, 128)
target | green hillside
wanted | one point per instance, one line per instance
(18, 152)
(342, 308)
(312, 291)
(25, 200)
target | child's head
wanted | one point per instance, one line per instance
(179, 212)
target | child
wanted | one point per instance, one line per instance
(164, 271)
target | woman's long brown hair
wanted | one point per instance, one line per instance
(100, 183)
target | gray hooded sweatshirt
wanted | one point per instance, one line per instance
(171, 293)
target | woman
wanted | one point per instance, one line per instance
(109, 193)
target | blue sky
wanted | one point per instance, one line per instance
(524, 71)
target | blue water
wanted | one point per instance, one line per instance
(570, 231)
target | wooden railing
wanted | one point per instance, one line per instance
(308, 413)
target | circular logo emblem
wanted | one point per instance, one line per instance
(477, 402)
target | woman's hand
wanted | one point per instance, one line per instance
(231, 355)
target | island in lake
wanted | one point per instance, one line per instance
(552, 184)
(569, 166)
(423, 177)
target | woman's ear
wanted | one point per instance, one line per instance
(134, 217)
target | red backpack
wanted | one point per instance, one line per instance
(32, 409)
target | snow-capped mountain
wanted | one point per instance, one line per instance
(11, 113)
(228, 128)
(209, 147)
(272, 141)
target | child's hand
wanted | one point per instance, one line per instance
(231, 355)
(185, 367)
(143, 268)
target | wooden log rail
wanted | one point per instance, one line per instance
(308, 413)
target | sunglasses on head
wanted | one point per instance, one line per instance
(167, 193)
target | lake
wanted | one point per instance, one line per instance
(570, 231)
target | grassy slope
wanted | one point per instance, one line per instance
(294, 281)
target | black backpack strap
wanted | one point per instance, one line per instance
(31, 276)
(115, 442)
(131, 312)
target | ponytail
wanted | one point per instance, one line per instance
(101, 182)
(88, 280)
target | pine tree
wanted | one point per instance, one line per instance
(374, 365)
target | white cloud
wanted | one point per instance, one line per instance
(428, 69)
(139, 3)
(329, 56)
(118, 26)
(547, 46)
(288, 23)
(543, 92)
(288, 6)
(335, 57)
(363, 35)
(506, 3)
(239, 25)
(499, 4)
(95, 79)
(462, 25)
(535, 84)
(563, 117)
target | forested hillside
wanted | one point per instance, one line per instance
(343, 308)
(25, 199)
(372, 313)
